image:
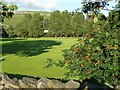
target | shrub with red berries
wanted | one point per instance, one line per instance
(95, 55)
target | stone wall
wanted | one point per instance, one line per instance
(31, 83)
(7, 83)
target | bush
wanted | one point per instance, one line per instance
(94, 55)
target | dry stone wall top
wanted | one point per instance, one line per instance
(28, 83)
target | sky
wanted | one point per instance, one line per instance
(50, 5)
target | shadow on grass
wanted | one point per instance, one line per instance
(2, 59)
(18, 76)
(10, 39)
(28, 48)
(91, 84)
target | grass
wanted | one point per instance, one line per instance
(29, 56)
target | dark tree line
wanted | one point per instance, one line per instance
(59, 24)
(65, 24)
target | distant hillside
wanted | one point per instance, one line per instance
(19, 15)
(14, 20)
(32, 12)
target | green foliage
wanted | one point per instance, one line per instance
(7, 10)
(20, 30)
(94, 55)
(31, 26)
(55, 23)
(67, 24)
(113, 19)
(37, 25)
(78, 23)
(10, 31)
(59, 24)
(94, 7)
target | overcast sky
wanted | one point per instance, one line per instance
(50, 5)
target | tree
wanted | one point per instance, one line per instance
(66, 27)
(55, 23)
(37, 25)
(31, 26)
(101, 17)
(95, 6)
(78, 24)
(6, 12)
(46, 23)
(27, 21)
(20, 30)
(23, 28)
(10, 31)
(95, 55)
(114, 17)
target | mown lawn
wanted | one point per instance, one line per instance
(29, 56)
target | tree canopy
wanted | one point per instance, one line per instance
(7, 10)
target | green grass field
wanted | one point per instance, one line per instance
(19, 17)
(29, 56)
(14, 20)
